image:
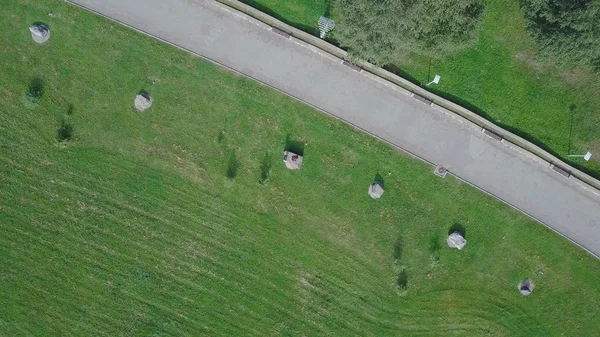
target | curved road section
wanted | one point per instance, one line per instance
(245, 45)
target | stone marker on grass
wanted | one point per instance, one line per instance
(142, 102)
(40, 33)
(526, 287)
(455, 240)
(292, 161)
(375, 190)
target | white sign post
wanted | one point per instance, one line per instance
(585, 157)
(436, 80)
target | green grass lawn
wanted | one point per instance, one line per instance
(500, 78)
(132, 228)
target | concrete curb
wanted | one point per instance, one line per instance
(441, 103)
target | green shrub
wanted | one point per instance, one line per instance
(232, 166)
(566, 31)
(402, 280)
(33, 94)
(375, 30)
(65, 131)
(398, 248)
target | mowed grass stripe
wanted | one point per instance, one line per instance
(501, 309)
(123, 257)
(170, 224)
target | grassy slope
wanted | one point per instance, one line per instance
(500, 79)
(132, 228)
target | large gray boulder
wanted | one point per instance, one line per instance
(292, 160)
(526, 287)
(375, 190)
(40, 33)
(455, 240)
(142, 102)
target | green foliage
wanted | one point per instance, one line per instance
(30, 100)
(398, 248)
(566, 30)
(65, 131)
(376, 30)
(402, 279)
(233, 166)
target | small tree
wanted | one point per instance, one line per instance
(232, 166)
(402, 279)
(377, 29)
(65, 131)
(33, 94)
(568, 31)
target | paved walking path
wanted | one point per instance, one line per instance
(234, 40)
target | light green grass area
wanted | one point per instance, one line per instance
(132, 228)
(499, 78)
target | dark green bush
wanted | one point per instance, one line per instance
(402, 280)
(33, 94)
(375, 30)
(232, 166)
(65, 131)
(566, 31)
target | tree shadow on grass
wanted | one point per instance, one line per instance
(397, 71)
(265, 9)
(265, 167)
(460, 229)
(294, 146)
(144, 93)
(379, 179)
(41, 23)
(398, 248)
(434, 249)
(34, 92)
(434, 244)
(36, 86)
(65, 131)
(233, 166)
(221, 136)
(402, 280)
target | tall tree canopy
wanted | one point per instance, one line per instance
(376, 29)
(566, 30)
